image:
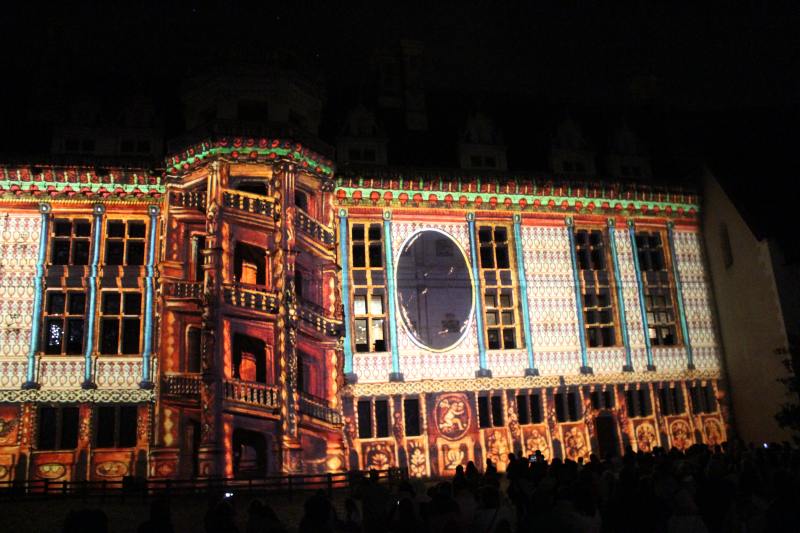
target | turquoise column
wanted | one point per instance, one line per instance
(344, 252)
(523, 289)
(612, 238)
(147, 348)
(679, 296)
(483, 371)
(640, 287)
(97, 230)
(38, 295)
(585, 368)
(395, 374)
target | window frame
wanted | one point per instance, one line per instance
(528, 400)
(639, 401)
(117, 430)
(498, 309)
(373, 417)
(609, 286)
(65, 317)
(121, 316)
(125, 239)
(58, 439)
(490, 397)
(369, 286)
(669, 289)
(73, 238)
(563, 400)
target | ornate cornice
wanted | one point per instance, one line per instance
(78, 183)
(78, 395)
(522, 382)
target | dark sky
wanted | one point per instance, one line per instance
(728, 74)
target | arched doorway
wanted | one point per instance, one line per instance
(249, 454)
(607, 440)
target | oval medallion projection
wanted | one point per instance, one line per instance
(434, 289)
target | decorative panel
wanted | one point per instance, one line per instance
(697, 299)
(668, 358)
(551, 292)
(19, 242)
(372, 367)
(118, 372)
(507, 362)
(606, 360)
(61, 373)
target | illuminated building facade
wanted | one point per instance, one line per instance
(247, 312)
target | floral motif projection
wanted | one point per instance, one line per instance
(697, 300)
(551, 299)
(19, 243)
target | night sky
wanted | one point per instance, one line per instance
(715, 83)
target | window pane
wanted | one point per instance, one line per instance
(485, 234)
(80, 252)
(127, 426)
(500, 234)
(494, 339)
(536, 409)
(509, 339)
(133, 303)
(54, 333)
(360, 304)
(522, 409)
(364, 419)
(62, 228)
(115, 228)
(130, 336)
(381, 418)
(483, 412)
(77, 303)
(375, 232)
(375, 256)
(194, 350)
(106, 419)
(135, 253)
(48, 425)
(55, 303)
(359, 256)
(114, 252)
(60, 253)
(136, 229)
(109, 336)
(497, 411)
(358, 232)
(74, 336)
(83, 228)
(487, 258)
(110, 303)
(411, 408)
(376, 305)
(69, 428)
(502, 257)
(361, 335)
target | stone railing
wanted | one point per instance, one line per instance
(313, 315)
(181, 384)
(183, 289)
(318, 408)
(188, 199)
(251, 393)
(249, 203)
(250, 298)
(314, 228)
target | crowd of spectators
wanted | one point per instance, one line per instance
(735, 489)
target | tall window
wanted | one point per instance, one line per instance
(490, 410)
(598, 311)
(529, 408)
(638, 402)
(115, 426)
(64, 323)
(703, 399)
(120, 321)
(657, 288)
(373, 418)
(602, 399)
(499, 288)
(198, 244)
(568, 407)
(670, 399)
(369, 287)
(57, 428)
(70, 241)
(412, 417)
(194, 349)
(125, 242)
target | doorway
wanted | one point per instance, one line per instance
(607, 440)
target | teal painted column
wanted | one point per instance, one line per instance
(395, 374)
(147, 348)
(31, 378)
(483, 371)
(344, 253)
(612, 238)
(585, 368)
(640, 287)
(523, 289)
(91, 314)
(679, 296)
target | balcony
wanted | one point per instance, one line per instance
(188, 199)
(181, 385)
(313, 315)
(250, 203)
(257, 300)
(314, 229)
(318, 408)
(251, 393)
(183, 289)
